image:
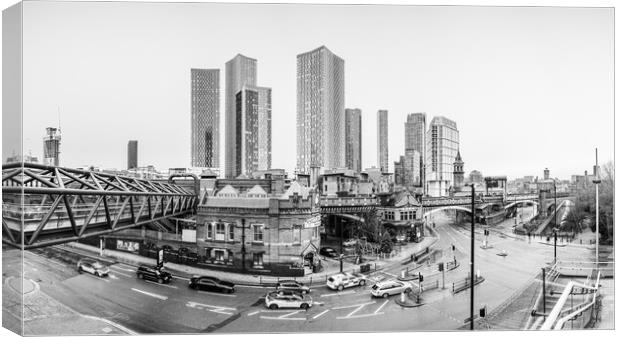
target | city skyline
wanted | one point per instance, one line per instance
(521, 79)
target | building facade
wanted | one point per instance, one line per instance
(411, 168)
(382, 140)
(51, 147)
(442, 145)
(258, 232)
(252, 150)
(353, 131)
(205, 100)
(240, 72)
(459, 173)
(320, 111)
(132, 154)
(415, 139)
(399, 171)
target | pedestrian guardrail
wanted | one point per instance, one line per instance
(465, 284)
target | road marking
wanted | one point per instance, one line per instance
(212, 308)
(254, 313)
(321, 314)
(356, 310)
(361, 316)
(339, 293)
(290, 314)
(217, 294)
(390, 274)
(163, 298)
(126, 275)
(286, 316)
(353, 305)
(161, 284)
(121, 268)
(112, 276)
(381, 307)
(97, 278)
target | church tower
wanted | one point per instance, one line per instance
(459, 174)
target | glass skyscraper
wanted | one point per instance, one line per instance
(415, 132)
(252, 130)
(354, 139)
(321, 140)
(205, 99)
(442, 144)
(382, 140)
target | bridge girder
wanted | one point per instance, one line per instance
(93, 203)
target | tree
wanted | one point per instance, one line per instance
(585, 203)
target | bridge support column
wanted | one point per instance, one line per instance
(101, 246)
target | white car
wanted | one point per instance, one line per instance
(92, 266)
(287, 299)
(390, 287)
(345, 280)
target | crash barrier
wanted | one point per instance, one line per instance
(465, 284)
(554, 320)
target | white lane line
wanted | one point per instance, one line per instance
(217, 294)
(356, 310)
(126, 275)
(321, 314)
(361, 316)
(288, 318)
(381, 307)
(253, 313)
(339, 293)
(212, 308)
(290, 314)
(390, 274)
(353, 305)
(121, 268)
(97, 278)
(160, 297)
(161, 284)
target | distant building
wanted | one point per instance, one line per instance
(442, 145)
(459, 174)
(399, 171)
(382, 140)
(253, 131)
(546, 174)
(51, 147)
(476, 177)
(412, 168)
(320, 111)
(205, 100)
(240, 72)
(27, 158)
(415, 139)
(341, 183)
(132, 154)
(353, 131)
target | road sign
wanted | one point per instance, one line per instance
(160, 258)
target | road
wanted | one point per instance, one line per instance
(147, 307)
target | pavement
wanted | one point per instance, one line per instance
(331, 266)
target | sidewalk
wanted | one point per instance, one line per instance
(331, 266)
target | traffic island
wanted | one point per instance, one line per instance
(409, 300)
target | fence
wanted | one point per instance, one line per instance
(465, 284)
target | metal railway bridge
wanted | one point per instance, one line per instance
(46, 205)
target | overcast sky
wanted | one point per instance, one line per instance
(529, 88)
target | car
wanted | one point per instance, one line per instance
(167, 248)
(349, 242)
(328, 251)
(154, 274)
(209, 283)
(292, 285)
(287, 299)
(400, 238)
(390, 287)
(346, 280)
(93, 266)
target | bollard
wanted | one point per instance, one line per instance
(402, 274)
(375, 266)
(402, 297)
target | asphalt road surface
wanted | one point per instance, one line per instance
(148, 307)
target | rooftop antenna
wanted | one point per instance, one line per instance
(59, 118)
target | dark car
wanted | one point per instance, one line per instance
(209, 283)
(327, 251)
(153, 274)
(167, 248)
(292, 285)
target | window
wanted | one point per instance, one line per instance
(258, 233)
(296, 234)
(231, 231)
(209, 231)
(315, 232)
(220, 229)
(257, 259)
(219, 255)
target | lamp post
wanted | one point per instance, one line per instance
(555, 222)
(471, 292)
(243, 244)
(596, 181)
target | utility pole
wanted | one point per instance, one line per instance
(596, 181)
(243, 244)
(555, 222)
(473, 220)
(341, 250)
(544, 294)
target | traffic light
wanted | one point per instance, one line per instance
(483, 311)
(421, 277)
(453, 248)
(440, 266)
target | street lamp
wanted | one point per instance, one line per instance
(596, 181)
(555, 221)
(471, 293)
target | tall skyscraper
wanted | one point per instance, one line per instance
(353, 131)
(205, 117)
(442, 144)
(132, 154)
(252, 131)
(415, 130)
(320, 111)
(411, 168)
(382, 140)
(240, 71)
(51, 147)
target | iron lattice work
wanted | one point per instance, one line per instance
(47, 205)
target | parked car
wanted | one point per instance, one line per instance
(92, 266)
(153, 274)
(328, 251)
(209, 283)
(400, 238)
(288, 299)
(292, 285)
(345, 280)
(167, 248)
(390, 287)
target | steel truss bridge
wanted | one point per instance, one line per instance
(47, 205)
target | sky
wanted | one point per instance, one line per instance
(529, 88)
